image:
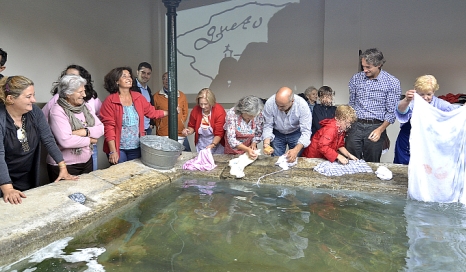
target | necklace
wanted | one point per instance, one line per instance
(21, 133)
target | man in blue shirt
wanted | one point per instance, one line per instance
(374, 95)
(140, 85)
(287, 123)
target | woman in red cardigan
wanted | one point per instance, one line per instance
(122, 114)
(207, 119)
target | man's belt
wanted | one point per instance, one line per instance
(370, 121)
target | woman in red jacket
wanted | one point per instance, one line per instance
(122, 114)
(207, 119)
(329, 141)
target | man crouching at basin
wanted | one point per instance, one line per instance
(288, 122)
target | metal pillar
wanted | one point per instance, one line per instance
(171, 6)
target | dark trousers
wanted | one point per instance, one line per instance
(74, 169)
(358, 143)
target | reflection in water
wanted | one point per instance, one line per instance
(437, 236)
(182, 246)
(205, 225)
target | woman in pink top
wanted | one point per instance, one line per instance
(75, 127)
(91, 100)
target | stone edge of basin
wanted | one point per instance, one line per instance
(48, 214)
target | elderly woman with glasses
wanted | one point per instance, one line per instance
(91, 100)
(22, 128)
(243, 126)
(76, 127)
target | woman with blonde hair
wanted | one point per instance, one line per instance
(22, 127)
(207, 119)
(425, 86)
(329, 141)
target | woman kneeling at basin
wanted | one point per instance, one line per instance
(22, 128)
(76, 128)
(329, 141)
(206, 120)
(243, 126)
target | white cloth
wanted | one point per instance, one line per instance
(237, 165)
(284, 164)
(383, 173)
(436, 170)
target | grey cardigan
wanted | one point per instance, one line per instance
(46, 137)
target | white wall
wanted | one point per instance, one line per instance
(43, 37)
(313, 42)
(416, 37)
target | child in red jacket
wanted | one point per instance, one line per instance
(329, 141)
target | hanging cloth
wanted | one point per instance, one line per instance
(436, 168)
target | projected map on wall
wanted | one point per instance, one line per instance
(212, 42)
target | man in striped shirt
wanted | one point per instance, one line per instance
(374, 95)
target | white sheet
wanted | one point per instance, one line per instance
(436, 170)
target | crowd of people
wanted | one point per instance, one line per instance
(290, 124)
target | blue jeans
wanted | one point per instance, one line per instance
(148, 131)
(129, 154)
(187, 148)
(94, 158)
(281, 140)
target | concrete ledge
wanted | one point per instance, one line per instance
(48, 214)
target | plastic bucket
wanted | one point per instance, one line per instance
(159, 152)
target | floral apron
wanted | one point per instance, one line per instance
(243, 136)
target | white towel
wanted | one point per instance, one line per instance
(436, 170)
(284, 164)
(383, 173)
(237, 165)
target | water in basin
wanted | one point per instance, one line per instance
(207, 225)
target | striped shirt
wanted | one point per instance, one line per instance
(375, 98)
(298, 117)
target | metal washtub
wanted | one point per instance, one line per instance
(159, 152)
